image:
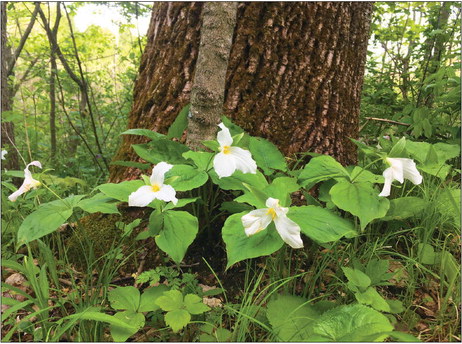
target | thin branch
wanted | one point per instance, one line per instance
(59, 53)
(24, 37)
(85, 90)
(73, 126)
(24, 76)
(387, 120)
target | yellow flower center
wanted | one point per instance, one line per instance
(272, 212)
(155, 187)
(226, 149)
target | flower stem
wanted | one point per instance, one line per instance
(54, 193)
(364, 168)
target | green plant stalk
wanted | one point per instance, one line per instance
(365, 168)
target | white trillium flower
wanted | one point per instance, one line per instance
(4, 152)
(400, 169)
(258, 220)
(231, 158)
(29, 182)
(157, 190)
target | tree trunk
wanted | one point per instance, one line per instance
(53, 72)
(8, 140)
(208, 91)
(294, 74)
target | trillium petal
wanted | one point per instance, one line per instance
(141, 197)
(14, 196)
(29, 182)
(243, 160)
(256, 221)
(158, 173)
(27, 173)
(396, 168)
(224, 165)
(410, 171)
(4, 152)
(388, 176)
(289, 231)
(272, 202)
(224, 136)
(166, 193)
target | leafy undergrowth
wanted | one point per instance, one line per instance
(225, 261)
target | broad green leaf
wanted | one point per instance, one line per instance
(181, 203)
(357, 277)
(432, 157)
(404, 207)
(125, 298)
(233, 128)
(239, 246)
(267, 155)
(177, 319)
(235, 207)
(121, 334)
(251, 199)
(377, 269)
(188, 177)
(162, 150)
(399, 149)
(281, 188)
(98, 203)
(324, 195)
(149, 297)
(395, 306)
(194, 304)
(351, 323)
(360, 199)
(155, 225)
(439, 170)
(120, 191)
(47, 218)
(144, 132)
(372, 298)
(258, 198)
(418, 150)
(291, 318)
(179, 124)
(321, 168)
(359, 174)
(235, 182)
(203, 160)
(320, 224)
(179, 230)
(170, 300)
(212, 145)
(446, 151)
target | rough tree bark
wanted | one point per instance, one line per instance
(7, 127)
(294, 74)
(53, 72)
(208, 91)
(9, 59)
